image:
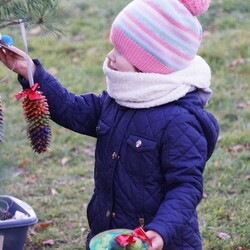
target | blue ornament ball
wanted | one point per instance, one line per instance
(7, 40)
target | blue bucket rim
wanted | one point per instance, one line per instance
(31, 220)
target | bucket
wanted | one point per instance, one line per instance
(13, 232)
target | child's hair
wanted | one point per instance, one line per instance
(159, 36)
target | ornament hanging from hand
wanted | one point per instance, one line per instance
(35, 105)
(36, 112)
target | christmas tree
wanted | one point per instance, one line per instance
(46, 13)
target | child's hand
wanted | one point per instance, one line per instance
(16, 60)
(157, 241)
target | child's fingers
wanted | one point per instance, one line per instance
(2, 56)
(11, 53)
(16, 60)
(17, 52)
(13, 58)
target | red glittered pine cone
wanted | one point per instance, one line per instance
(36, 112)
(1, 122)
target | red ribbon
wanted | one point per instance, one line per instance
(31, 93)
(124, 239)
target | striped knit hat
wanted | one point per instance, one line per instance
(159, 36)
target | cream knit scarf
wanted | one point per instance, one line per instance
(145, 90)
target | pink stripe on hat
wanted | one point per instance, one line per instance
(176, 22)
(127, 47)
(156, 38)
(172, 30)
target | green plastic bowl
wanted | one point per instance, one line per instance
(102, 240)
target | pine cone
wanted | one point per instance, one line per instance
(36, 113)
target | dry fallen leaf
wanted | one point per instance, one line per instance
(243, 105)
(23, 163)
(32, 179)
(31, 231)
(238, 148)
(236, 62)
(64, 160)
(41, 226)
(75, 60)
(223, 236)
(82, 189)
(205, 195)
(216, 164)
(90, 151)
(49, 242)
(54, 192)
(241, 248)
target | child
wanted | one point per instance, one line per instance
(153, 134)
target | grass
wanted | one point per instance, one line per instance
(58, 184)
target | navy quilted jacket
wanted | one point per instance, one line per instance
(149, 162)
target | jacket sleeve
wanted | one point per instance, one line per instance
(183, 160)
(77, 113)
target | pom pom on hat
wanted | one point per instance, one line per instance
(196, 7)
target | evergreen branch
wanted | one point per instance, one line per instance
(46, 13)
(9, 23)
